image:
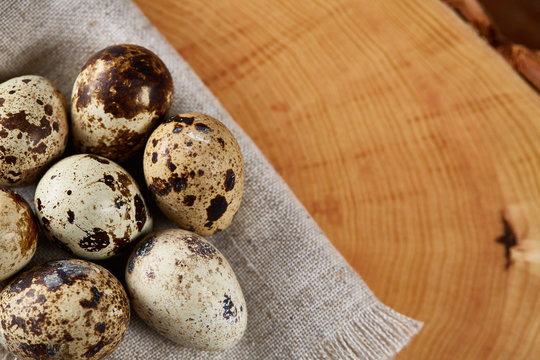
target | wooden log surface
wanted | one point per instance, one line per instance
(409, 140)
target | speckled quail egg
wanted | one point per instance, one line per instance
(33, 128)
(193, 166)
(68, 309)
(121, 93)
(91, 206)
(182, 286)
(18, 233)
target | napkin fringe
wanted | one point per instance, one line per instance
(376, 333)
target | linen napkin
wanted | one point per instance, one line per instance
(304, 300)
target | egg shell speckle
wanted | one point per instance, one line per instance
(33, 128)
(18, 233)
(91, 206)
(121, 93)
(68, 309)
(181, 285)
(194, 168)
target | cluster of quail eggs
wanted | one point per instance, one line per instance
(90, 206)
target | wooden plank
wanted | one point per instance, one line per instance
(406, 137)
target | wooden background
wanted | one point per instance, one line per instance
(407, 139)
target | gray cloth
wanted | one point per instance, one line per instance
(304, 301)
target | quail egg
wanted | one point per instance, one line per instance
(18, 233)
(121, 93)
(194, 168)
(33, 128)
(91, 206)
(68, 309)
(181, 285)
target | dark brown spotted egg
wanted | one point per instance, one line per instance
(91, 206)
(68, 309)
(182, 286)
(33, 128)
(18, 233)
(121, 93)
(193, 166)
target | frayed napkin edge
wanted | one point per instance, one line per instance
(377, 332)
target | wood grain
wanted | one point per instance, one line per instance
(405, 136)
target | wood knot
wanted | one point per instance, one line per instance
(509, 240)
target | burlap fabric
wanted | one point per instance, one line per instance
(304, 300)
